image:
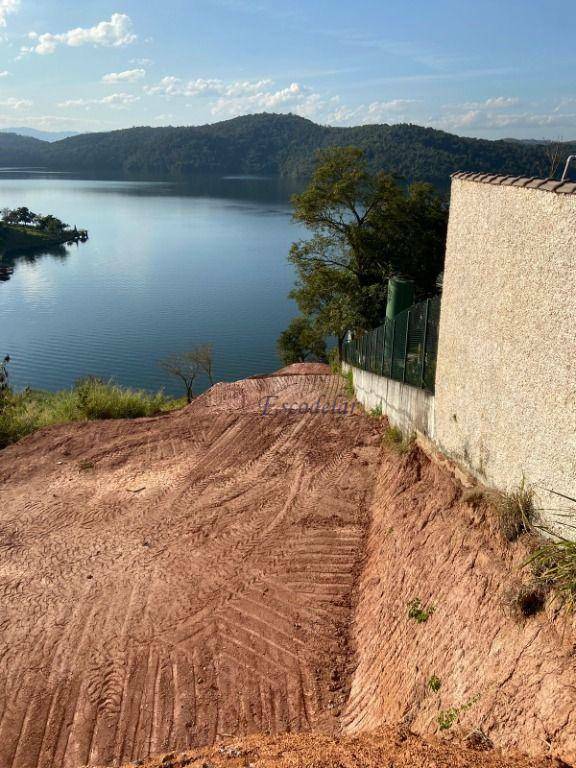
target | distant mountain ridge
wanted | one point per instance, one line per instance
(35, 133)
(276, 145)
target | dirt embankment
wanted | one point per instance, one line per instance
(514, 680)
(244, 566)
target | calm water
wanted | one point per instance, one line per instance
(167, 266)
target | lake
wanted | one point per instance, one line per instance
(167, 266)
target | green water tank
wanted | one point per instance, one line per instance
(400, 296)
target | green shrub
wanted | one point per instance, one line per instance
(434, 684)
(417, 612)
(448, 717)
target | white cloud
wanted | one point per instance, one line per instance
(232, 98)
(171, 87)
(4, 73)
(234, 102)
(115, 100)
(141, 62)
(7, 7)
(501, 102)
(128, 76)
(495, 102)
(492, 113)
(114, 33)
(480, 120)
(16, 104)
(376, 112)
(54, 122)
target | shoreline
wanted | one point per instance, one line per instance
(14, 241)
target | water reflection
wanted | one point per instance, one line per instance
(10, 261)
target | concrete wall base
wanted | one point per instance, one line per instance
(408, 408)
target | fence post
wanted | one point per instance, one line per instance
(406, 347)
(423, 365)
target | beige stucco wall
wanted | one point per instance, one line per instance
(506, 375)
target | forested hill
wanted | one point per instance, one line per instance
(270, 144)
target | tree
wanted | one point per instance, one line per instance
(300, 342)
(24, 216)
(9, 216)
(50, 224)
(324, 294)
(368, 226)
(203, 354)
(187, 366)
(554, 153)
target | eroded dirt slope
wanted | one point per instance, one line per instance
(512, 678)
(173, 580)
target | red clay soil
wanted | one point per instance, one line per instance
(510, 676)
(244, 566)
(385, 748)
(170, 581)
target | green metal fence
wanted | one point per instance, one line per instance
(403, 349)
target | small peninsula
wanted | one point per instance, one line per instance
(23, 230)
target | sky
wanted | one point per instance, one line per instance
(490, 68)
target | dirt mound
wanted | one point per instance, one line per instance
(394, 748)
(512, 677)
(171, 581)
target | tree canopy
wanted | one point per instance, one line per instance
(365, 228)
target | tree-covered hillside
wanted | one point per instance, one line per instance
(270, 144)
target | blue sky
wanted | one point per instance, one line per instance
(491, 69)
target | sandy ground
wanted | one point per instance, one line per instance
(168, 582)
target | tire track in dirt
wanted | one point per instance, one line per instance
(195, 582)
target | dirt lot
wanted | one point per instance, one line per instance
(170, 581)
(244, 568)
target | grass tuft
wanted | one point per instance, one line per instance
(474, 496)
(554, 566)
(334, 361)
(525, 601)
(376, 413)
(396, 441)
(349, 384)
(515, 512)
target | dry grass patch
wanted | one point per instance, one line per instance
(525, 601)
(515, 512)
